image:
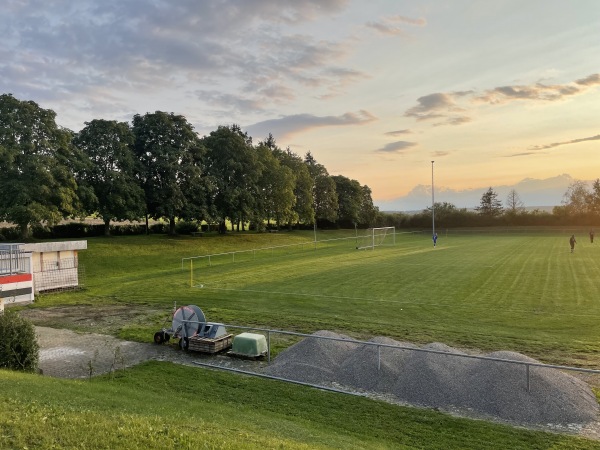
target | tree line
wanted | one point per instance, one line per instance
(158, 167)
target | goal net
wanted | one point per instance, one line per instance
(375, 237)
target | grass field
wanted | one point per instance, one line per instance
(165, 406)
(524, 292)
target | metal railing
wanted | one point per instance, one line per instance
(11, 259)
(527, 365)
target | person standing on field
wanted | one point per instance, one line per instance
(434, 237)
(592, 236)
(572, 242)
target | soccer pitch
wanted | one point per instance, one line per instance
(495, 291)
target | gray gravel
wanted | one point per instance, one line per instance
(67, 354)
(487, 389)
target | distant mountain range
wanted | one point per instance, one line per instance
(542, 194)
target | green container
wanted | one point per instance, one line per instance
(249, 344)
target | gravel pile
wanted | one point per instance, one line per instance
(488, 388)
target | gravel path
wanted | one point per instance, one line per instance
(67, 354)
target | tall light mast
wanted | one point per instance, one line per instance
(432, 202)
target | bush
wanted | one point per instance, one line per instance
(11, 233)
(19, 349)
(159, 228)
(185, 227)
(40, 231)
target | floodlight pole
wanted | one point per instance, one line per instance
(432, 203)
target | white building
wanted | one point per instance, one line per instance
(27, 269)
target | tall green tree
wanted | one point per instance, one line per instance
(368, 211)
(304, 205)
(37, 161)
(355, 205)
(489, 204)
(350, 198)
(234, 171)
(111, 173)
(170, 154)
(275, 188)
(324, 193)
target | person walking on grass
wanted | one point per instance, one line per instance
(434, 239)
(572, 242)
(592, 236)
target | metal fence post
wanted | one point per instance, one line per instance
(269, 346)
(379, 357)
(528, 383)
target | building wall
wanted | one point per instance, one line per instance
(55, 270)
(16, 288)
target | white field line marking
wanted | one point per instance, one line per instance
(397, 302)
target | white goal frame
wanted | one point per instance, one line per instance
(375, 237)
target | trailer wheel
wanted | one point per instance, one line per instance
(184, 343)
(167, 336)
(159, 337)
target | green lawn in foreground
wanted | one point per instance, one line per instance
(164, 406)
(524, 292)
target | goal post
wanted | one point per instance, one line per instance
(375, 237)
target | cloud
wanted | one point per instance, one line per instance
(590, 80)
(398, 132)
(558, 144)
(514, 155)
(456, 120)
(60, 51)
(444, 106)
(439, 153)
(392, 25)
(538, 91)
(229, 102)
(287, 126)
(433, 106)
(397, 147)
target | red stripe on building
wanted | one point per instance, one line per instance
(15, 278)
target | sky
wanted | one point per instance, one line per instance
(502, 94)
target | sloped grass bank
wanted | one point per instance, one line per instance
(161, 405)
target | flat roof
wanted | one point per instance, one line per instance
(61, 246)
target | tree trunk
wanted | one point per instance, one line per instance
(24, 227)
(147, 227)
(172, 225)
(106, 227)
